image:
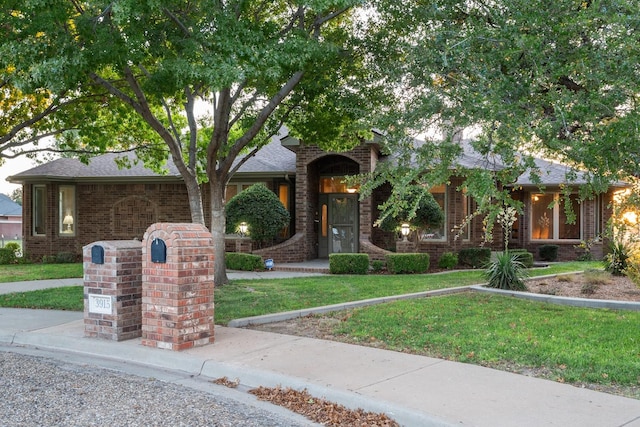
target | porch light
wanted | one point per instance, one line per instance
(68, 222)
(243, 227)
(404, 229)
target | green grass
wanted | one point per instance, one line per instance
(25, 272)
(63, 298)
(567, 344)
(573, 345)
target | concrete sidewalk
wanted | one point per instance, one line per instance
(413, 390)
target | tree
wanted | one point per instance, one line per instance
(16, 196)
(532, 78)
(261, 209)
(254, 65)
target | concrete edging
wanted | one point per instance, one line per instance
(550, 299)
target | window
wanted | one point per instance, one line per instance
(67, 212)
(439, 193)
(549, 220)
(39, 209)
(235, 188)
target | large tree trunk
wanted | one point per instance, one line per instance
(218, 225)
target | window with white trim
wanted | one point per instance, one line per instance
(549, 219)
(39, 210)
(67, 210)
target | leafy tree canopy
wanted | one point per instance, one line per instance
(531, 78)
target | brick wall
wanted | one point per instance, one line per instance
(105, 211)
(177, 295)
(116, 282)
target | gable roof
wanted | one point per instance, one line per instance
(8, 207)
(271, 159)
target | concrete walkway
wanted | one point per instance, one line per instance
(413, 390)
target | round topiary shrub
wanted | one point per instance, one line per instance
(428, 215)
(261, 209)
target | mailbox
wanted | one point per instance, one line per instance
(158, 251)
(97, 254)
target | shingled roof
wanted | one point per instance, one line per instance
(8, 207)
(271, 159)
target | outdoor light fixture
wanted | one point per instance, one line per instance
(404, 229)
(68, 223)
(243, 227)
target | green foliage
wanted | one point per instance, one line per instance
(346, 263)
(243, 262)
(549, 252)
(448, 260)
(413, 263)
(377, 266)
(418, 207)
(474, 257)
(616, 260)
(7, 256)
(524, 256)
(261, 209)
(506, 272)
(60, 258)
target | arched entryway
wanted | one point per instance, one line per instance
(338, 206)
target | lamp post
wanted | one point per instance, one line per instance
(405, 230)
(243, 227)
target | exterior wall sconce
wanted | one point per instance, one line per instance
(243, 227)
(404, 229)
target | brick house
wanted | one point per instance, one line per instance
(69, 204)
(10, 218)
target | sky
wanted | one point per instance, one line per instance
(12, 167)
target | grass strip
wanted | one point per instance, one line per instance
(575, 345)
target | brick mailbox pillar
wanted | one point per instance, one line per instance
(113, 289)
(177, 289)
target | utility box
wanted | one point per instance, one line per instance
(177, 290)
(113, 289)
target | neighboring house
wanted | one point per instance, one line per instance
(69, 204)
(10, 218)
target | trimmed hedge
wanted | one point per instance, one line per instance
(243, 262)
(407, 263)
(448, 260)
(548, 252)
(348, 263)
(474, 257)
(524, 256)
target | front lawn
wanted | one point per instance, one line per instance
(26, 272)
(567, 344)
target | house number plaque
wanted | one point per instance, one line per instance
(100, 304)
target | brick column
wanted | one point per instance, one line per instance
(177, 290)
(113, 289)
(405, 246)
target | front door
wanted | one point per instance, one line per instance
(338, 224)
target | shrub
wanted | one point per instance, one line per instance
(448, 260)
(243, 262)
(548, 252)
(7, 256)
(407, 263)
(616, 260)
(474, 257)
(524, 256)
(348, 263)
(506, 272)
(428, 213)
(261, 209)
(377, 266)
(65, 258)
